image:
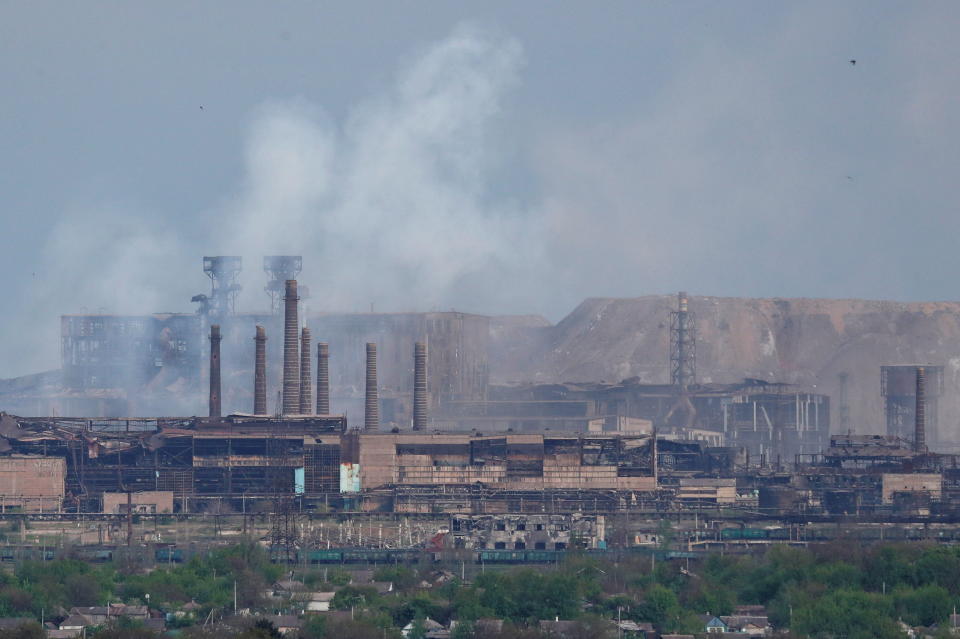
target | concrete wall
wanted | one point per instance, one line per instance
(159, 501)
(903, 483)
(33, 484)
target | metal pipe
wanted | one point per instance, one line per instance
(260, 372)
(215, 370)
(323, 379)
(419, 386)
(920, 430)
(306, 381)
(371, 418)
(291, 350)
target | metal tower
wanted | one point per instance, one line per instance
(224, 274)
(683, 344)
(280, 268)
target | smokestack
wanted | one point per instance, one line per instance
(323, 379)
(215, 370)
(920, 433)
(260, 373)
(371, 420)
(419, 386)
(291, 350)
(306, 383)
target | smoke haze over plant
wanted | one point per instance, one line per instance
(504, 159)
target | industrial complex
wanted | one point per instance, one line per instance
(396, 415)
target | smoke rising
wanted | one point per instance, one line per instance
(392, 206)
(389, 207)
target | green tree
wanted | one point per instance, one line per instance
(847, 613)
(659, 605)
(353, 596)
(923, 606)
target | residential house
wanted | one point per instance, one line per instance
(12, 623)
(713, 624)
(313, 601)
(633, 630)
(77, 622)
(383, 587)
(284, 623)
(429, 625)
(558, 628)
(751, 625)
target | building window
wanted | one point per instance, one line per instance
(500, 545)
(519, 545)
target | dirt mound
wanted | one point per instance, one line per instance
(812, 342)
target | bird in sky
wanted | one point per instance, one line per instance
(852, 63)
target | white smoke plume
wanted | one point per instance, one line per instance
(389, 207)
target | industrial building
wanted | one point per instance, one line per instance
(395, 413)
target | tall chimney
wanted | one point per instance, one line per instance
(323, 379)
(260, 373)
(920, 431)
(419, 386)
(306, 381)
(215, 370)
(291, 350)
(371, 418)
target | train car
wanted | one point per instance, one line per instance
(501, 556)
(779, 533)
(543, 556)
(365, 555)
(96, 555)
(168, 555)
(326, 556)
(736, 534)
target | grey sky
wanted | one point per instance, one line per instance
(489, 156)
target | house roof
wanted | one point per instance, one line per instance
(739, 621)
(284, 621)
(97, 611)
(428, 624)
(313, 596)
(77, 621)
(382, 586)
(15, 622)
(750, 609)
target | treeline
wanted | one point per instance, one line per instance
(830, 590)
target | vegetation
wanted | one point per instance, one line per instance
(833, 590)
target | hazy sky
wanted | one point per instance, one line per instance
(489, 156)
